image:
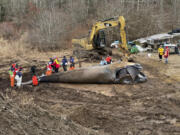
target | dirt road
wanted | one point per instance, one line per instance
(151, 108)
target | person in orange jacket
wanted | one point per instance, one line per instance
(12, 72)
(49, 69)
(35, 80)
(34, 77)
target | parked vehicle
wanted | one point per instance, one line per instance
(174, 48)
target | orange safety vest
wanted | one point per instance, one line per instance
(71, 68)
(48, 72)
(35, 80)
(12, 80)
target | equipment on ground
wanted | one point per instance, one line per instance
(97, 40)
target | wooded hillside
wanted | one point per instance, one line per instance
(53, 23)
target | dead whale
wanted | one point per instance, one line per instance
(116, 73)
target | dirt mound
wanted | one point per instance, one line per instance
(23, 116)
(89, 118)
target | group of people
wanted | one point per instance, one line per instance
(105, 61)
(163, 52)
(54, 65)
(15, 73)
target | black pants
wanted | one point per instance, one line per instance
(56, 70)
(109, 62)
(65, 67)
(72, 65)
(160, 57)
(53, 67)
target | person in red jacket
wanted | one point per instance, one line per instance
(166, 54)
(109, 60)
(56, 64)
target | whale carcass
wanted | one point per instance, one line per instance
(116, 73)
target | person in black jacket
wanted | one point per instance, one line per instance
(64, 63)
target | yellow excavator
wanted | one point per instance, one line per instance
(96, 40)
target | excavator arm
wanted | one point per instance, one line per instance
(123, 33)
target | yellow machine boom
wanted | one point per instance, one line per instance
(89, 43)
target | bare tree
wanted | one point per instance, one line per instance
(53, 21)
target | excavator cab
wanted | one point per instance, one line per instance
(99, 40)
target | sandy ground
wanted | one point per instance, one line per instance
(151, 108)
(172, 69)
